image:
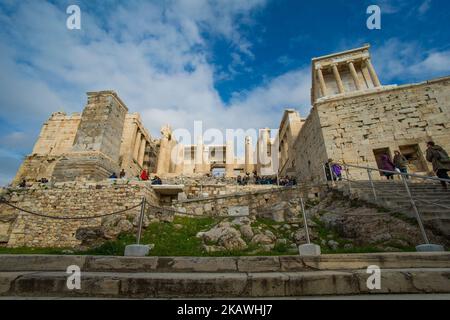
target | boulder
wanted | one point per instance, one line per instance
(270, 235)
(262, 239)
(145, 220)
(333, 244)
(246, 232)
(224, 236)
(242, 221)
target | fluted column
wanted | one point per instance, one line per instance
(372, 72)
(248, 155)
(354, 75)
(199, 155)
(142, 152)
(137, 145)
(337, 76)
(229, 160)
(323, 85)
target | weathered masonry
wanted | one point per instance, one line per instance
(355, 119)
(92, 145)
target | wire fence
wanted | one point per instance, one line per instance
(43, 215)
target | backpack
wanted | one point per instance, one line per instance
(443, 156)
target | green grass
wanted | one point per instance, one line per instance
(172, 241)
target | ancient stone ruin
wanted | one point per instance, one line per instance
(354, 119)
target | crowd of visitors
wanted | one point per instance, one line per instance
(435, 154)
(265, 180)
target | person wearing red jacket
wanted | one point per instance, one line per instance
(144, 175)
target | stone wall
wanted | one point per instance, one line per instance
(310, 150)
(260, 202)
(350, 128)
(56, 138)
(66, 199)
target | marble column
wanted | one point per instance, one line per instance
(354, 75)
(142, 152)
(179, 165)
(372, 72)
(248, 155)
(229, 165)
(199, 150)
(137, 145)
(337, 76)
(323, 85)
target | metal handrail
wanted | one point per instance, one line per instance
(404, 178)
(395, 172)
(381, 191)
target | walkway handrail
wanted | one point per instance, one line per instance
(394, 172)
(404, 178)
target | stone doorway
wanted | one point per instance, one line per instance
(378, 153)
(416, 161)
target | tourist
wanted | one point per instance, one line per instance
(23, 184)
(156, 181)
(440, 160)
(386, 164)
(337, 171)
(122, 174)
(113, 176)
(239, 180)
(401, 163)
(144, 175)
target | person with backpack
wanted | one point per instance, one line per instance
(337, 171)
(440, 160)
(401, 163)
(386, 164)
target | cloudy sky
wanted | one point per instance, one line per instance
(230, 63)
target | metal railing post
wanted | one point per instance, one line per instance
(369, 173)
(347, 176)
(305, 221)
(141, 221)
(413, 203)
(325, 173)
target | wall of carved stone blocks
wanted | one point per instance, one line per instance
(67, 199)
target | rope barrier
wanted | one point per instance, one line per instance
(68, 218)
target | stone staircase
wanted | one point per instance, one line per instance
(433, 202)
(246, 277)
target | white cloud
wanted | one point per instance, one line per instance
(155, 57)
(408, 61)
(424, 7)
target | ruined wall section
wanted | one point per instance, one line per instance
(96, 151)
(133, 134)
(310, 151)
(57, 134)
(55, 139)
(410, 115)
(69, 199)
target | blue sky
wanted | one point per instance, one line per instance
(232, 64)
